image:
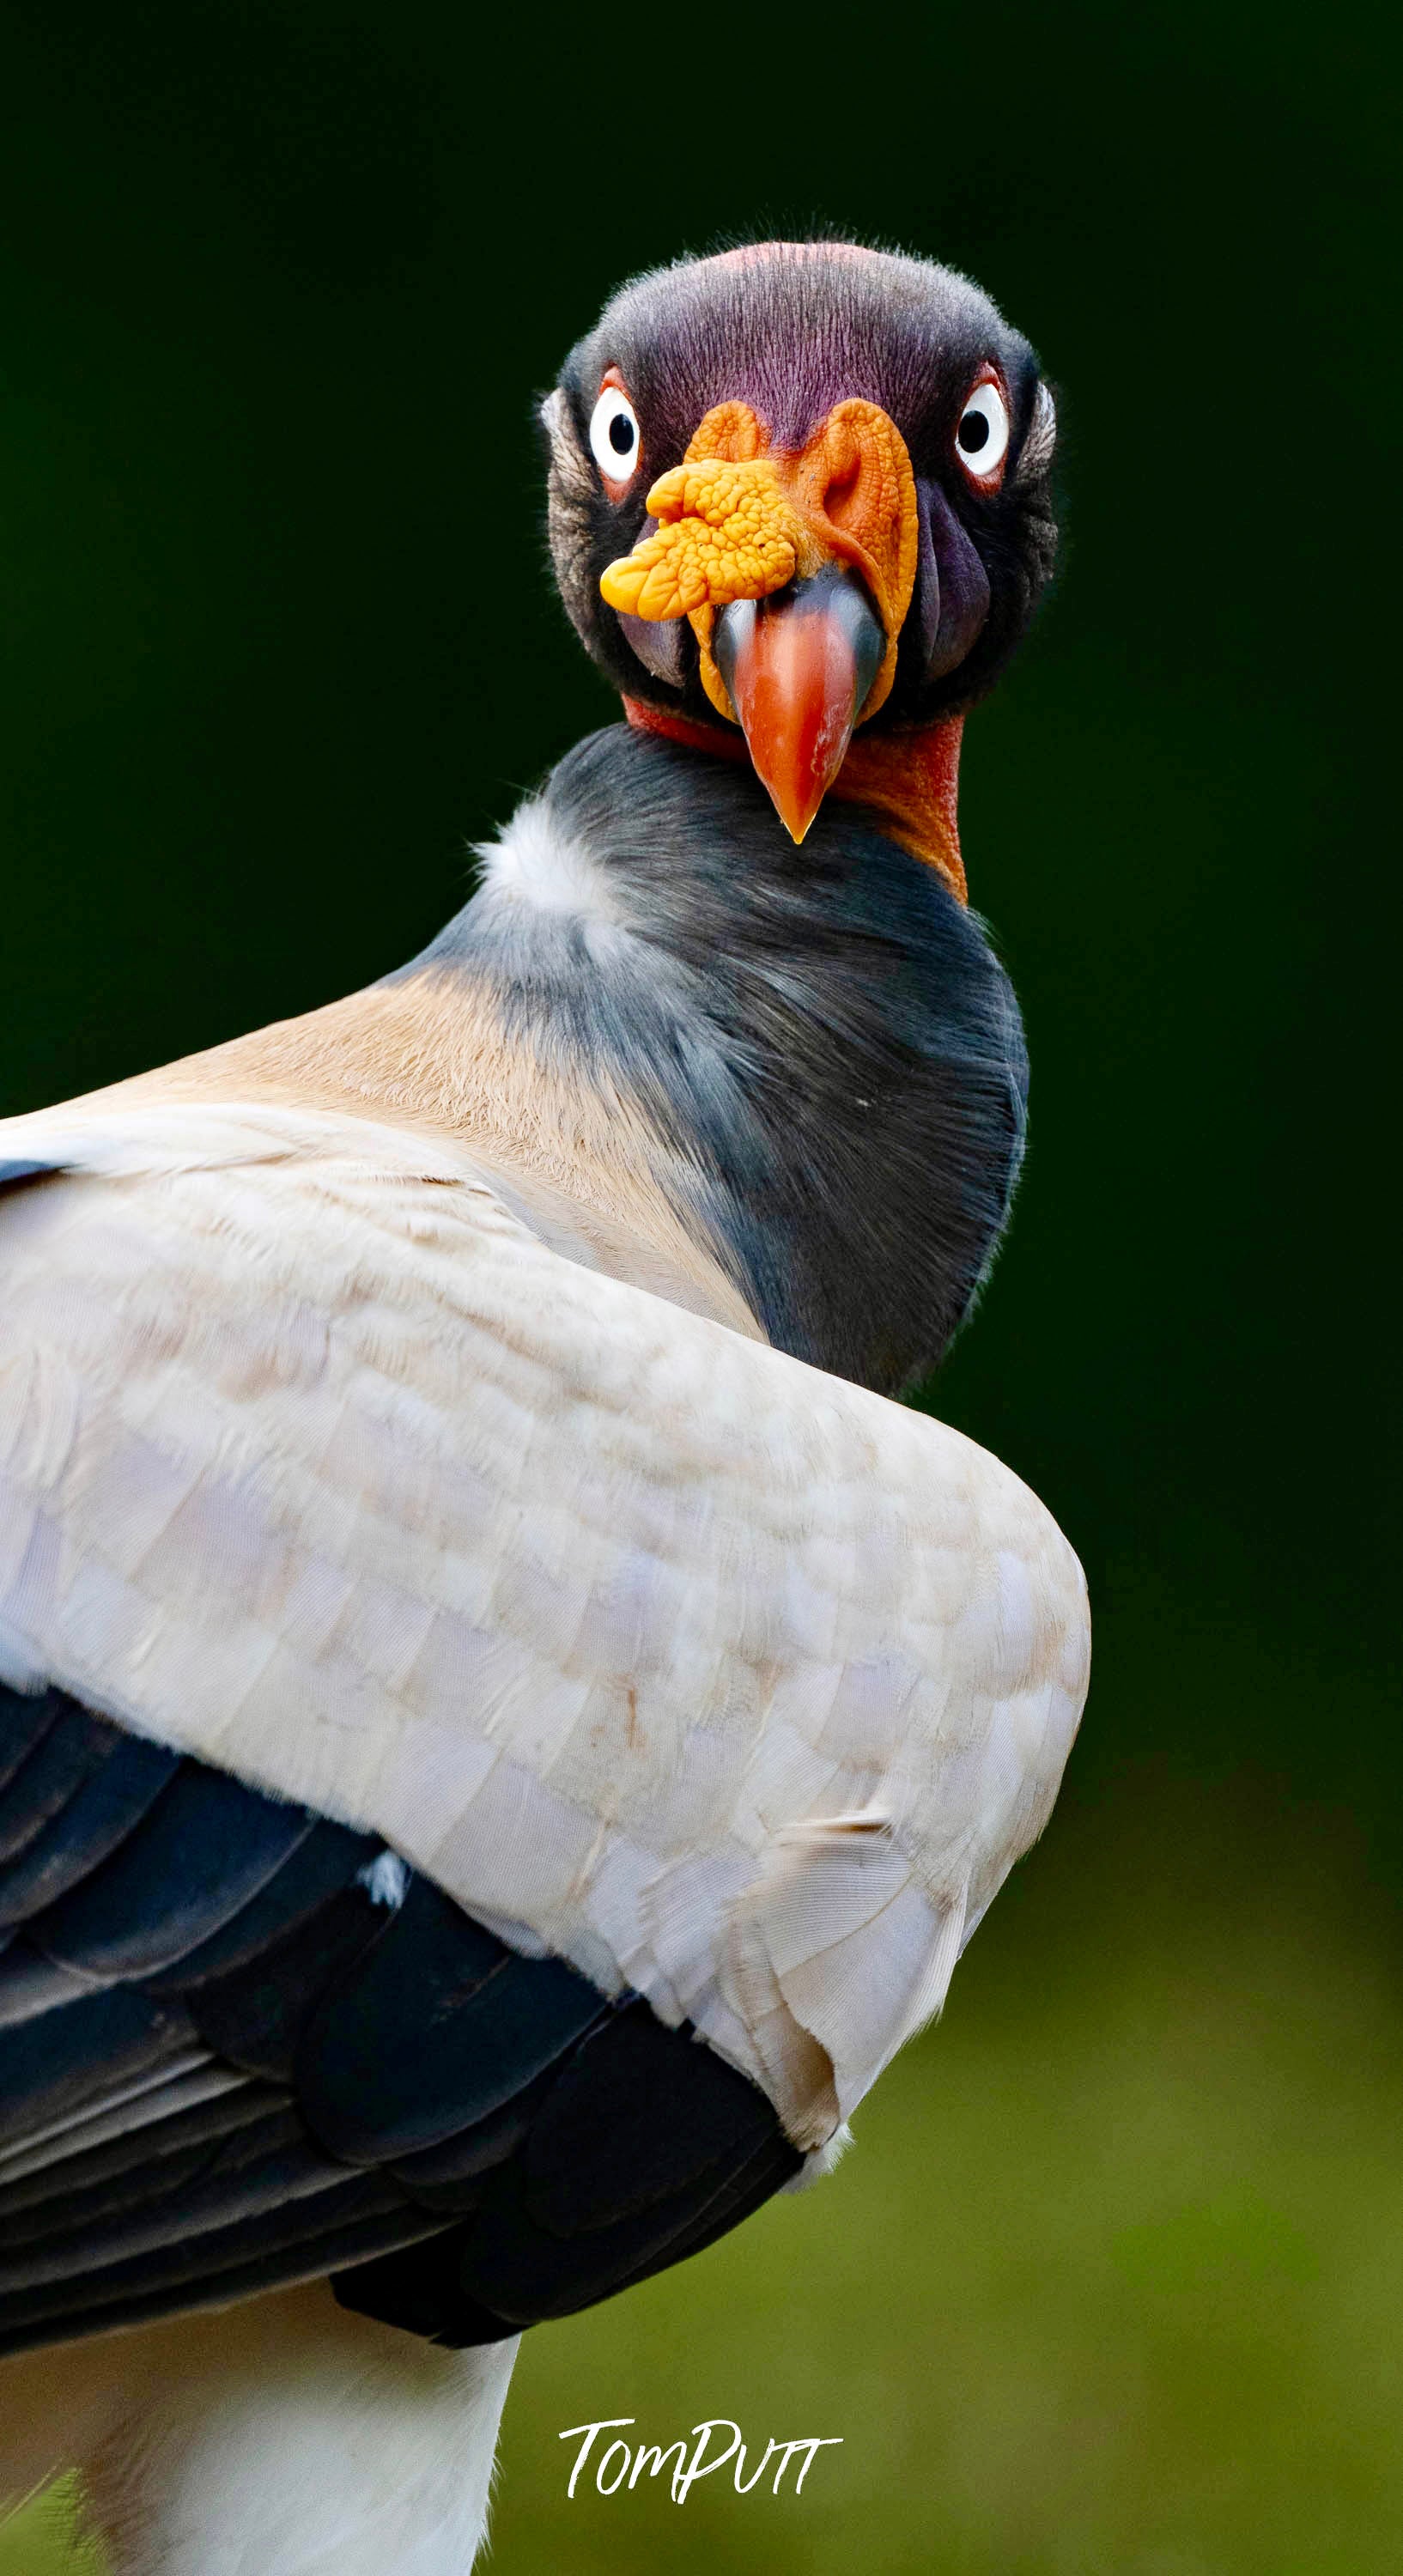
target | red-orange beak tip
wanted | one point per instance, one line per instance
(799, 667)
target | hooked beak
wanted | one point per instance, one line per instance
(799, 667)
(796, 570)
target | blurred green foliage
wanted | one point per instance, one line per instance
(1110, 2282)
(45, 2538)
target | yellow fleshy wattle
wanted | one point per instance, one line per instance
(727, 530)
(737, 522)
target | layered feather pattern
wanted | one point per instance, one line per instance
(317, 1464)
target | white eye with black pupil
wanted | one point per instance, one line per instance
(981, 439)
(614, 435)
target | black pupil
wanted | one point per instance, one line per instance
(621, 433)
(973, 432)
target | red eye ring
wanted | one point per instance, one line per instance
(615, 436)
(988, 411)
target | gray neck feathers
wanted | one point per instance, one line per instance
(821, 1040)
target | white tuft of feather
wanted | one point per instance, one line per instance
(540, 865)
(385, 1880)
(819, 2164)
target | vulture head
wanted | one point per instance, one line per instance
(799, 500)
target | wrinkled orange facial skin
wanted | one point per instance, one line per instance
(725, 532)
(737, 520)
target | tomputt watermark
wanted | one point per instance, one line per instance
(618, 2464)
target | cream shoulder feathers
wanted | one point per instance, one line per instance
(724, 1679)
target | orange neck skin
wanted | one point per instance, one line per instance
(911, 778)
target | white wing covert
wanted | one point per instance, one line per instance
(730, 1684)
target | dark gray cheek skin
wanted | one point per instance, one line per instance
(952, 586)
(661, 646)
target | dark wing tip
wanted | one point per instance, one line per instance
(225, 2066)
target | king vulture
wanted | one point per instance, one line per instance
(506, 1722)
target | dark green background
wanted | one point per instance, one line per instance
(1110, 2282)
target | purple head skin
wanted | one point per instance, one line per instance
(792, 329)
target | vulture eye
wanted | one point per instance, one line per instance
(614, 435)
(981, 439)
